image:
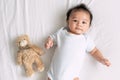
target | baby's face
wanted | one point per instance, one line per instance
(79, 22)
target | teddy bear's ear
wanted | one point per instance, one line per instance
(25, 35)
(17, 41)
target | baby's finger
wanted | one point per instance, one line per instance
(47, 46)
(51, 44)
(107, 63)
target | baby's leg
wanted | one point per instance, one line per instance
(76, 78)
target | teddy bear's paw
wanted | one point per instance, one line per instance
(29, 73)
(19, 63)
(41, 69)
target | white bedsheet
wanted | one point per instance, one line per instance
(39, 18)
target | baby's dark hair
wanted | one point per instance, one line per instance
(77, 8)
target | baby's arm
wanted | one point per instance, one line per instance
(49, 43)
(98, 56)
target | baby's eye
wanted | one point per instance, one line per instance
(83, 22)
(75, 20)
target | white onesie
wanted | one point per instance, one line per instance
(69, 54)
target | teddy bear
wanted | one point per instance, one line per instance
(28, 55)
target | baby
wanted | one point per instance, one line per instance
(72, 43)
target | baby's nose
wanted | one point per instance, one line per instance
(79, 24)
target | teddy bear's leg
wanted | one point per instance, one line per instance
(39, 64)
(28, 69)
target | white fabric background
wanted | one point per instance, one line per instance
(40, 18)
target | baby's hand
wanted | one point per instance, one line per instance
(106, 62)
(49, 43)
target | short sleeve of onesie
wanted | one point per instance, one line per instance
(90, 44)
(54, 36)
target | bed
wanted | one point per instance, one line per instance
(40, 18)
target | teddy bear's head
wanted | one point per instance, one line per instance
(23, 41)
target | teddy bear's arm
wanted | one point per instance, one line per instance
(19, 58)
(37, 49)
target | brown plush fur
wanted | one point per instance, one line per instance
(29, 54)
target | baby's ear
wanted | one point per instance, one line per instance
(67, 22)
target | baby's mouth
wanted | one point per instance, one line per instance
(78, 29)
